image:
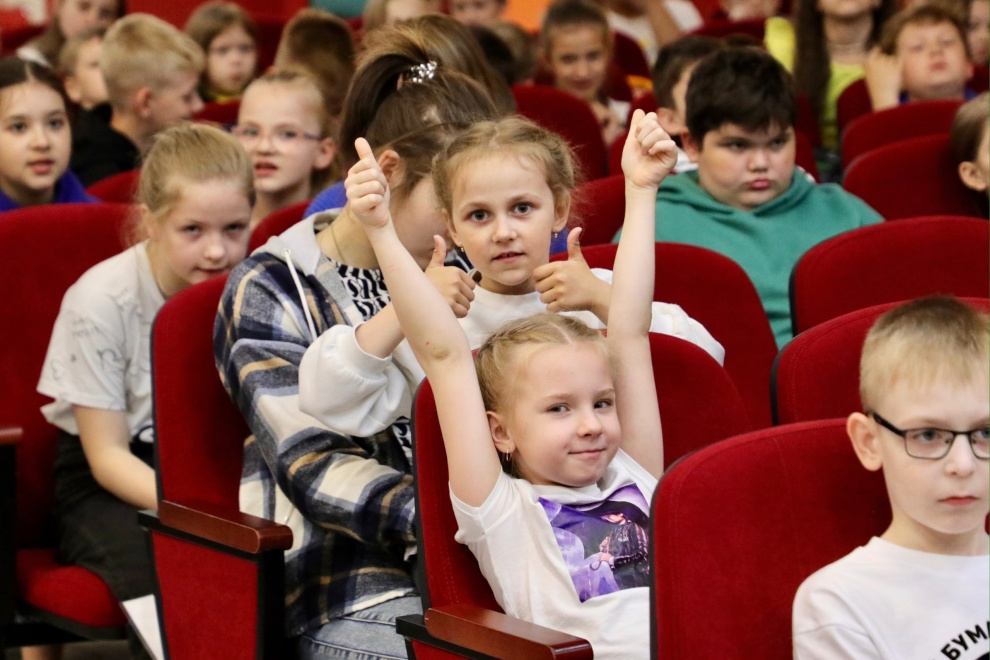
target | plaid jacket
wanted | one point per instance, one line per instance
(348, 500)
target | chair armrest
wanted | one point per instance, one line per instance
(500, 635)
(10, 435)
(223, 526)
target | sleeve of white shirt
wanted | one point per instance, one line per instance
(670, 319)
(824, 627)
(349, 390)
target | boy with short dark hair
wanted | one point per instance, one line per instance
(671, 75)
(744, 199)
(923, 55)
(152, 74)
(79, 64)
(920, 589)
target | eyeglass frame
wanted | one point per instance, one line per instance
(903, 433)
(271, 134)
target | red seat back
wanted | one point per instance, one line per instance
(224, 113)
(629, 56)
(121, 187)
(911, 178)
(716, 292)
(888, 262)
(699, 405)
(816, 376)
(276, 223)
(739, 525)
(43, 251)
(854, 101)
(199, 432)
(599, 207)
(722, 27)
(910, 120)
(568, 116)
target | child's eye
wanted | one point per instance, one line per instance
(17, 127)
(57, 123)
(245, 49)
(603, 404)
(983, 435)
(287, 134)
(925, 435)
(249, 132)
(778, 143)
(735, 146)
(192, 229)
(477, 216)
(522, 208)
(558, 408)
(236, 227)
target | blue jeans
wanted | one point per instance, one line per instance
(365, 635)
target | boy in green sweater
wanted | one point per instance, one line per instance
(747, 200)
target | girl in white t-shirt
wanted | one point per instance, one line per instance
(553, 443)
(195, 197)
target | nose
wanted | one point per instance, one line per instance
(40, 139)
(216, 249)
(503, 229)
(590, 425)
(960, 461)
(759, 159)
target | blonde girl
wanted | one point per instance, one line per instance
(284, 126)
(970, 142)
(228, 37)
(195, 197)
(35, 140)
(574, 418)
(71, 17)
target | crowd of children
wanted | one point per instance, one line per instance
(433, 211)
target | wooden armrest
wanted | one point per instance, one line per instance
(221, 525)
(11, 435)
(501, 635)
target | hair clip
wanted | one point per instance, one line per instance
(419, 73)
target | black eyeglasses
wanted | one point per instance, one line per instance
(933, 444)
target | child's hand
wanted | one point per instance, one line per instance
(570, 285)
(649, 154)
(456, 287)
(367, 188)
(883, 79)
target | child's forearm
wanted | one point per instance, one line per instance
(630, 309)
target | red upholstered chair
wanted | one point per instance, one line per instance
(43, 250)
(722, 27)
(599, 207)
(888, 262)
(816, 376)
(18, 32)
(698, 406)
(568, 116)
(220, 572)
(854, 101)
(121, 187)
(807, 122)
(739, 525)
(276, 223)
(628, 55)
(269, 28)
(905, 121)
(911, 178)
(224, 113)
(716, 292)
(980, 81)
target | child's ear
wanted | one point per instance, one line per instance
(391, 164)
(325, 152)
(148, 222)
(970, 176)
(72, 89)
(562, 211)
(500, 433)
(142, 101)
(691, 148)
(863, 433)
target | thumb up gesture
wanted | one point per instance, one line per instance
(570, 285)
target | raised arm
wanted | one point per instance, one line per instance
(434, 334)
(647, 157)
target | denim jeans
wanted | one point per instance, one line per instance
(365, 635)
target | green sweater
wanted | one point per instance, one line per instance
(767, 241)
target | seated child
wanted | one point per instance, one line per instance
(70, 18)
(671, 74)
(152, 72)
(228, 37)
(322, 45)
(922, 55)
(383, 13)
(79, 64)
(575, 49)
(553, 444)
(195, 201)
(744, 199)
(920, 589)
(284, 126)
(971, 148)
(978, 33)
(632, 18)
(476, 12)
(35, 140)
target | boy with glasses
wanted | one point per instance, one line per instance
(920, 589)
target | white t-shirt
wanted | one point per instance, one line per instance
(99, 355)
(886, 601)
(683, 12)
(489, 311)
(553, 574)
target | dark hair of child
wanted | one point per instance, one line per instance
(673, 59)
